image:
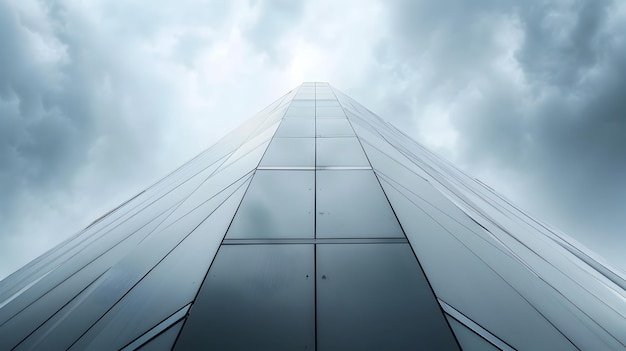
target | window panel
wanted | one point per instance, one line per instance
(329, 112)
(375, 297)
(304, 97)
(333, 128)
(174, 321)
(351, 204)
(302, 103)
(340, 152)
(285, 152)
(327, 103)
(163, 341)
(257, 297)
(278, 204)
(300, 112)
(296, 128)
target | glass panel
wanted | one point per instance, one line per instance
(244, 164)
(333, 128)
(16, 334)
(255, 297)
(327, 103)
(158, 329)
(351, 204)
(325, 96)
(163, 341)
(286, 152)
(296, 128)
(340, 152)
(305, 97)
(303, 103)
(375, 297)
(300, 112)
(210, 188)
(253, 143)
(329, 112)
(278, 204)
(469, 340)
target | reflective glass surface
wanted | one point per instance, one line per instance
(351, 204)
(329, 112)
(340, 152)
(296, 128)
(333, 128)
(327, 103)
(303, 103)
(163, 341)
(290, 152)
(122, 304)
(172, 284)
(300, 112)
(173, 321)
(255, 297)
(374, 297)
(278, 204)
(129, 278)
(469, 340)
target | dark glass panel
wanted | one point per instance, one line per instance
(163, 341)
(255, 297)
(351, 204)
(278, 204)
(375, 297)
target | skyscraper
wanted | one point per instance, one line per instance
(315, 225)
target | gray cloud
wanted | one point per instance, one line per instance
(44, 127)
(533, 89)
(274, 18)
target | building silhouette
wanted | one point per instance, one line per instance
(315, 225)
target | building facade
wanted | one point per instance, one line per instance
(315, 225)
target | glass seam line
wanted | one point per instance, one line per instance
(160, 328)
(475, 327)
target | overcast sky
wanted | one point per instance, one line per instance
(100, 98)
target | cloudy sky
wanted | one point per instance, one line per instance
(100, 98)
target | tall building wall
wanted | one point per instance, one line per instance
(315, 225)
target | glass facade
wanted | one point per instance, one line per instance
(316, 225)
